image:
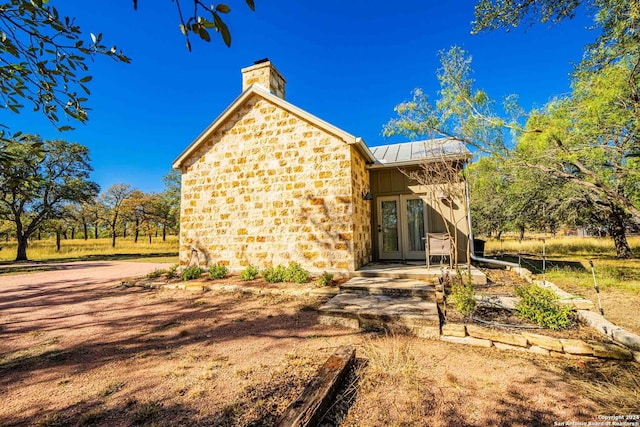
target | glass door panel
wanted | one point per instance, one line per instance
(415, 225)
(389, 228)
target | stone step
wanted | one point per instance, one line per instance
(417, 273)
(390, 287)
(403, 315)
(414, 274)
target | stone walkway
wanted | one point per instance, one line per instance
(379, 303)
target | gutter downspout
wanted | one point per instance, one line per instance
(471, 248)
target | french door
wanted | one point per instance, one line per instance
(401, 227)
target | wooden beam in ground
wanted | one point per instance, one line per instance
(316, 398)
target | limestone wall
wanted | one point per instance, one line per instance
(361, 210)
(268, 188)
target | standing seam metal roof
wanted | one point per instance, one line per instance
(429, 149)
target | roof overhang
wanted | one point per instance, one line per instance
(410, 163)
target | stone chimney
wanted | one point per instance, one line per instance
(263, 72)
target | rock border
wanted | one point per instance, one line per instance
(480, 336)
(584, 311)
(196, 285)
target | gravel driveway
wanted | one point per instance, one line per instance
(72, 273)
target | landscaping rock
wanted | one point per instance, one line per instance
(627, 338)
(454, 330)
(543, 341)
(538, 350)
(597, 321)
(610, 351)
(583, 304)
(502, 346)
(577, 347)
(493, 335)
(468, 340)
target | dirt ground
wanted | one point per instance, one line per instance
(81, 349)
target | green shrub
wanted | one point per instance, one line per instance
(171, 272)
(293, 273)
(218, 271)
(156, 273)
(275, 274)
(249, 273)
(326, 279)
(541, 306)
(296, 274)
(463, 297)
(191, 273)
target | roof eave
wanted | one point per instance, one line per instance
(364, 150)
(418, 162)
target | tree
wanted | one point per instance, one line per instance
(113, 200)
(60, 224)
(592, 140)
(489, 191)
(45, 56)
(82, 214)
(589, 139)
(595, 131)
(204, 18)
(44, 61)
(132, 211)
(494, 14)
(35, 186)
(443, 182)
(170, 201)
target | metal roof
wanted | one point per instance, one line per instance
(416, 151)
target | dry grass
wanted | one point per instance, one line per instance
(412, 382)
(391, 379)
(565, 246)
(614, 386)
(79, 249)
(568, 267)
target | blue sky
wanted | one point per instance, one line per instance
(347, 62)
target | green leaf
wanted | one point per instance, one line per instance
(224, 30)
(183, 29)
(204, 34)
(86, 79)
(206, 23)
(223, 8)
(251, 5)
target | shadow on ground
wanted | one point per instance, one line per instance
(12, 267)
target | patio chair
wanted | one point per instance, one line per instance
(439, 244)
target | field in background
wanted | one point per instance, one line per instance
(96, 249)
(568, 260)
(567, 265)
(569, 246)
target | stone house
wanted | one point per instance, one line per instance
(268, 183)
